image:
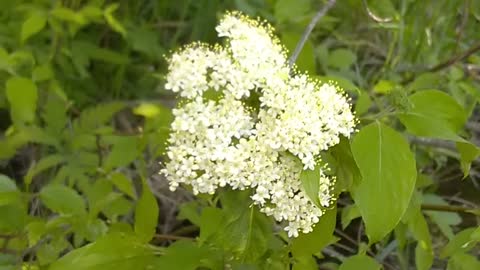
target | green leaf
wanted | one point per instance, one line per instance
(124, 184)
(63, 200)
(345, 168)
(14, 217)
(311, 184)
(349, 213)
(444, 220)
(388, 174)
(463, 261)
(434, 114)
(114, 24)
(123, 152)
(358, 262)
(95, 117)
(461, 242)
(33, 25)
(419, 228)
(22, 95)
(341, 59)
(320, 237)
(43, 164)
(147, 110)
(186, 255)
(245, 231)
(42, 73)
(146, 214)
(8, 191)
(468, 153)
(289, 10)
(69, 15)
(191, 212)
(306, 58)
(384, 87)
(210, 220)
(118, 251)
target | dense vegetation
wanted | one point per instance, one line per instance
(85, 117)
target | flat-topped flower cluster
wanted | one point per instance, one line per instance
(225, 142)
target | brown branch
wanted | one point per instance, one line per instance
(451, 208)
(459, 57)
(308, 31)
(171, 237)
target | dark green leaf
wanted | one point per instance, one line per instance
(388, 174)
(322, 235)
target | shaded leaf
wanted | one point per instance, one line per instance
(321, 236)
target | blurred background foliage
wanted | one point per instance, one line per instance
(84, 120)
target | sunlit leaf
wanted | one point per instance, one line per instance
(146, 214)
(388, 174)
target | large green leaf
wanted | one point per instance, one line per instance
(435, 114)
(8, 191)
(358, 262)
(22, 96)
(388, 174)
(146, 214)
(63, 200)
(320, 237)
(117, 251)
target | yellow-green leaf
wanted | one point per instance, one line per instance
(33, 25)
(388, 174)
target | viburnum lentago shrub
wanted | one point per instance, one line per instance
(265, 127)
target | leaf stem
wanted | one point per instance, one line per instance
(451, 208)
(308, 31)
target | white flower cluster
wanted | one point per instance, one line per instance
(226, 143)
